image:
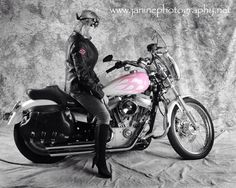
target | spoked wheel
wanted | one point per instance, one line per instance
(190, 142)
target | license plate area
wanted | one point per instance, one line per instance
(8, 115)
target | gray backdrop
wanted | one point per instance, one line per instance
(33, 34)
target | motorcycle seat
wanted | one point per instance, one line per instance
(55, 94)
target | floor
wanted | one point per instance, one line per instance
(157, 166)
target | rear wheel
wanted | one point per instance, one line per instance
(188, 142)
(31, 151)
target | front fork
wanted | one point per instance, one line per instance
(183, 108)
(168, 109)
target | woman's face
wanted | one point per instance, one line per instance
(84, 28)
(87, 31)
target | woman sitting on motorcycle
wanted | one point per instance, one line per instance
(83, 84)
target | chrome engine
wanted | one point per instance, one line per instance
(130, 115)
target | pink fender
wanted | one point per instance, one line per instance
(133, 83)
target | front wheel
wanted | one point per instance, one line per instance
(190, 142)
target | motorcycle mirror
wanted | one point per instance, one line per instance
(155, 35)
(108, 58)
(151, 47)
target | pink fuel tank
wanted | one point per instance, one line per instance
(133, 83)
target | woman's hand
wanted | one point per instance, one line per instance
(105, 99)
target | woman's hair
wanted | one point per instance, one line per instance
(88, 17)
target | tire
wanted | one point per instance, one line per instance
(23, 147)
(178, 132)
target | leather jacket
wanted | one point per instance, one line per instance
(81, 57)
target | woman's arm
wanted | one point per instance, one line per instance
(86, 77)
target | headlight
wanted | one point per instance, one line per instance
(167, 67)
(162, 71)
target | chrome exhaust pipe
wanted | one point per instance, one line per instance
(84, 150)
(70, 153)
(70, 150)
(54, 151)
(70, 147)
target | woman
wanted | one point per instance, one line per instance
(83, 84)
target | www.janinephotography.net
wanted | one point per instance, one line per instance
(170, 87)
(163, 9)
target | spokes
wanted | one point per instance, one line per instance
(192, 139)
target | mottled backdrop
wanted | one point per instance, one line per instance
(33, 34)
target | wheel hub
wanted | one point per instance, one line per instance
(185, 129)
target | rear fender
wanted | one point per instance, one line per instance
(17, 116)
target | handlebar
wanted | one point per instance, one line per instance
(120, 64)
(111, 69)
(141, 62)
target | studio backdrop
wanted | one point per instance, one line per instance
(200, 34)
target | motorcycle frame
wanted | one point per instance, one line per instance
(169, 107)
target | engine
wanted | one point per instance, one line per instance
(130, 114)
(131, 109)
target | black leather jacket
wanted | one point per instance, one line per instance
(81, 57)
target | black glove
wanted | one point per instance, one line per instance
(97, 91)
(143, 61)
(100, 85)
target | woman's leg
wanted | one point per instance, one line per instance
(98, 109)
(94, 106)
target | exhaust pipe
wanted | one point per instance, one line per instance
(69, 153)
(70, 147)
(55, 151)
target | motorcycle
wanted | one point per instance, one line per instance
(53, 125)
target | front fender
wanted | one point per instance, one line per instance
(171, 107)
(17, 116)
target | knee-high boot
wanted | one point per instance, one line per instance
(101, 134)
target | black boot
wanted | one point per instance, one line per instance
(101, 134)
